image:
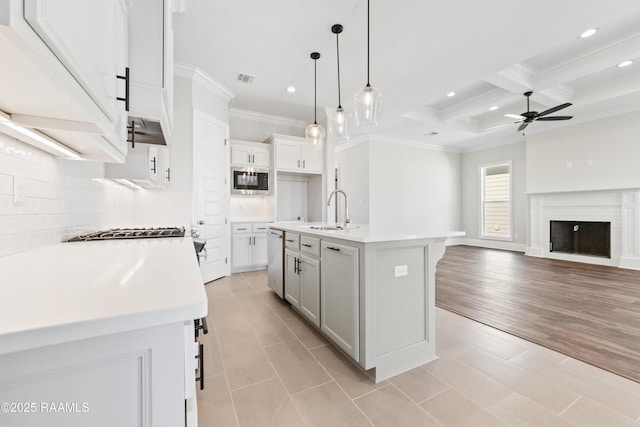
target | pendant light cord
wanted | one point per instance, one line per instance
(338, 54)
(368, 19)
(315, 91)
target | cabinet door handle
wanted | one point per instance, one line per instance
(249, 158)
(290, 240)
(253, 158)
(298, 164)
(132, 131)
(241, 229)
(304, 164)
(200, 358)
(168, 174)
(126, 88)
(153, 169)
(254, 240)
(306, 245)
(333, 249)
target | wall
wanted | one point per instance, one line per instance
(62, 198)
(255, 127)
(470, 189)
(413, 187)
(400, 186)
(353, 164)
(598, 155)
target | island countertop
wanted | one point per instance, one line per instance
(365, 233)
(70, 291)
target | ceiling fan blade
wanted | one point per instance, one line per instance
(514, 116)
(554, 109)
(522, 126)
(554, 118)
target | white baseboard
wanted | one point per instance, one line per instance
(630, 263)
(490, 244)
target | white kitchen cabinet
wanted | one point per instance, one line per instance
(140, 373)
(144, 166)
(248, 246)
(61, 62)
(302, 275)
(293, 154)
(339, 296)
(245, 153)
(151, 62)
(291, 277)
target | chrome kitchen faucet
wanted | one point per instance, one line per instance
(347, 220)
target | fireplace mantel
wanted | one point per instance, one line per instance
(620, 207)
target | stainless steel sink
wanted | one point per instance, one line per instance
(332, 227)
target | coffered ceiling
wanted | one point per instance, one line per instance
(489, 53)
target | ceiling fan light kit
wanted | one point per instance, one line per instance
(340, 124)
(530, 116)
(368, 102)
(315, 133)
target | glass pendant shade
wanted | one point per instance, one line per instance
(368, 103)
(341, 126)
(315, 134)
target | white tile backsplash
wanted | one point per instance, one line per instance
(61, 198)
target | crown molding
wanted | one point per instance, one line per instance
(266, 118)
(197, 75)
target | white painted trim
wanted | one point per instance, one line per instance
(412, 143)
(196, 74)
(352, 143)
(491, 244)
(266, 118)
(629, 263)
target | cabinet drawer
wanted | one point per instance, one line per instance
(241, 228)
(292, 240)
(260, 227)
(310, 245)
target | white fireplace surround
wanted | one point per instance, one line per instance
(619, 207)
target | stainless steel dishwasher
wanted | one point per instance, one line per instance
(275, 266)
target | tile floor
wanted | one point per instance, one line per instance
(266, 367)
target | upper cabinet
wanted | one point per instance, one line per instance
(147, 166)
(294, 154)
(252, 154)
(151, 63)
(63, 72)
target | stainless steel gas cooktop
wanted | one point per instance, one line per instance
(130, 233)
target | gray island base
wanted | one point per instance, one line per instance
(372, 293)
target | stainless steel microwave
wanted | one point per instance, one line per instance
(250, 181)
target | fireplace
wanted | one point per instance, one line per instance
(591, 238)
(615, 244)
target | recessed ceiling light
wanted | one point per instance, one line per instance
(291, 89)
(494, 108)
(625, 64)
(450, 94)
(588, 33)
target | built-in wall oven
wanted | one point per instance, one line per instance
(250, 181)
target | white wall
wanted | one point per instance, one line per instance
(399, 186)
(413, 187)
(249, 126)
(62, 198)
(353, 163)
(470, 189)
(599, 155)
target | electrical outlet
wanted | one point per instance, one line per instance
(18, 190)
(402, 270)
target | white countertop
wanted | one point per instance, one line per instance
(366, 233)
(78, 290)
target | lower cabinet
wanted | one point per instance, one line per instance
(339, 296)
(302, 284)
(248, 246)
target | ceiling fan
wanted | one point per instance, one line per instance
(529, 116)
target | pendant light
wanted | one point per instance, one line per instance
(368, 101)
(315, 133)
(340, 125)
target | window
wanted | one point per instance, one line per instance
(495, 182)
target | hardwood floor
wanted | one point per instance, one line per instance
(589, 312)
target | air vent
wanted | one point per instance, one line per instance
(431, 133)
(245, 78)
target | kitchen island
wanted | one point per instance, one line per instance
(100, 333)
(370, 291)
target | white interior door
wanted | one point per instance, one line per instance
(211, 161)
